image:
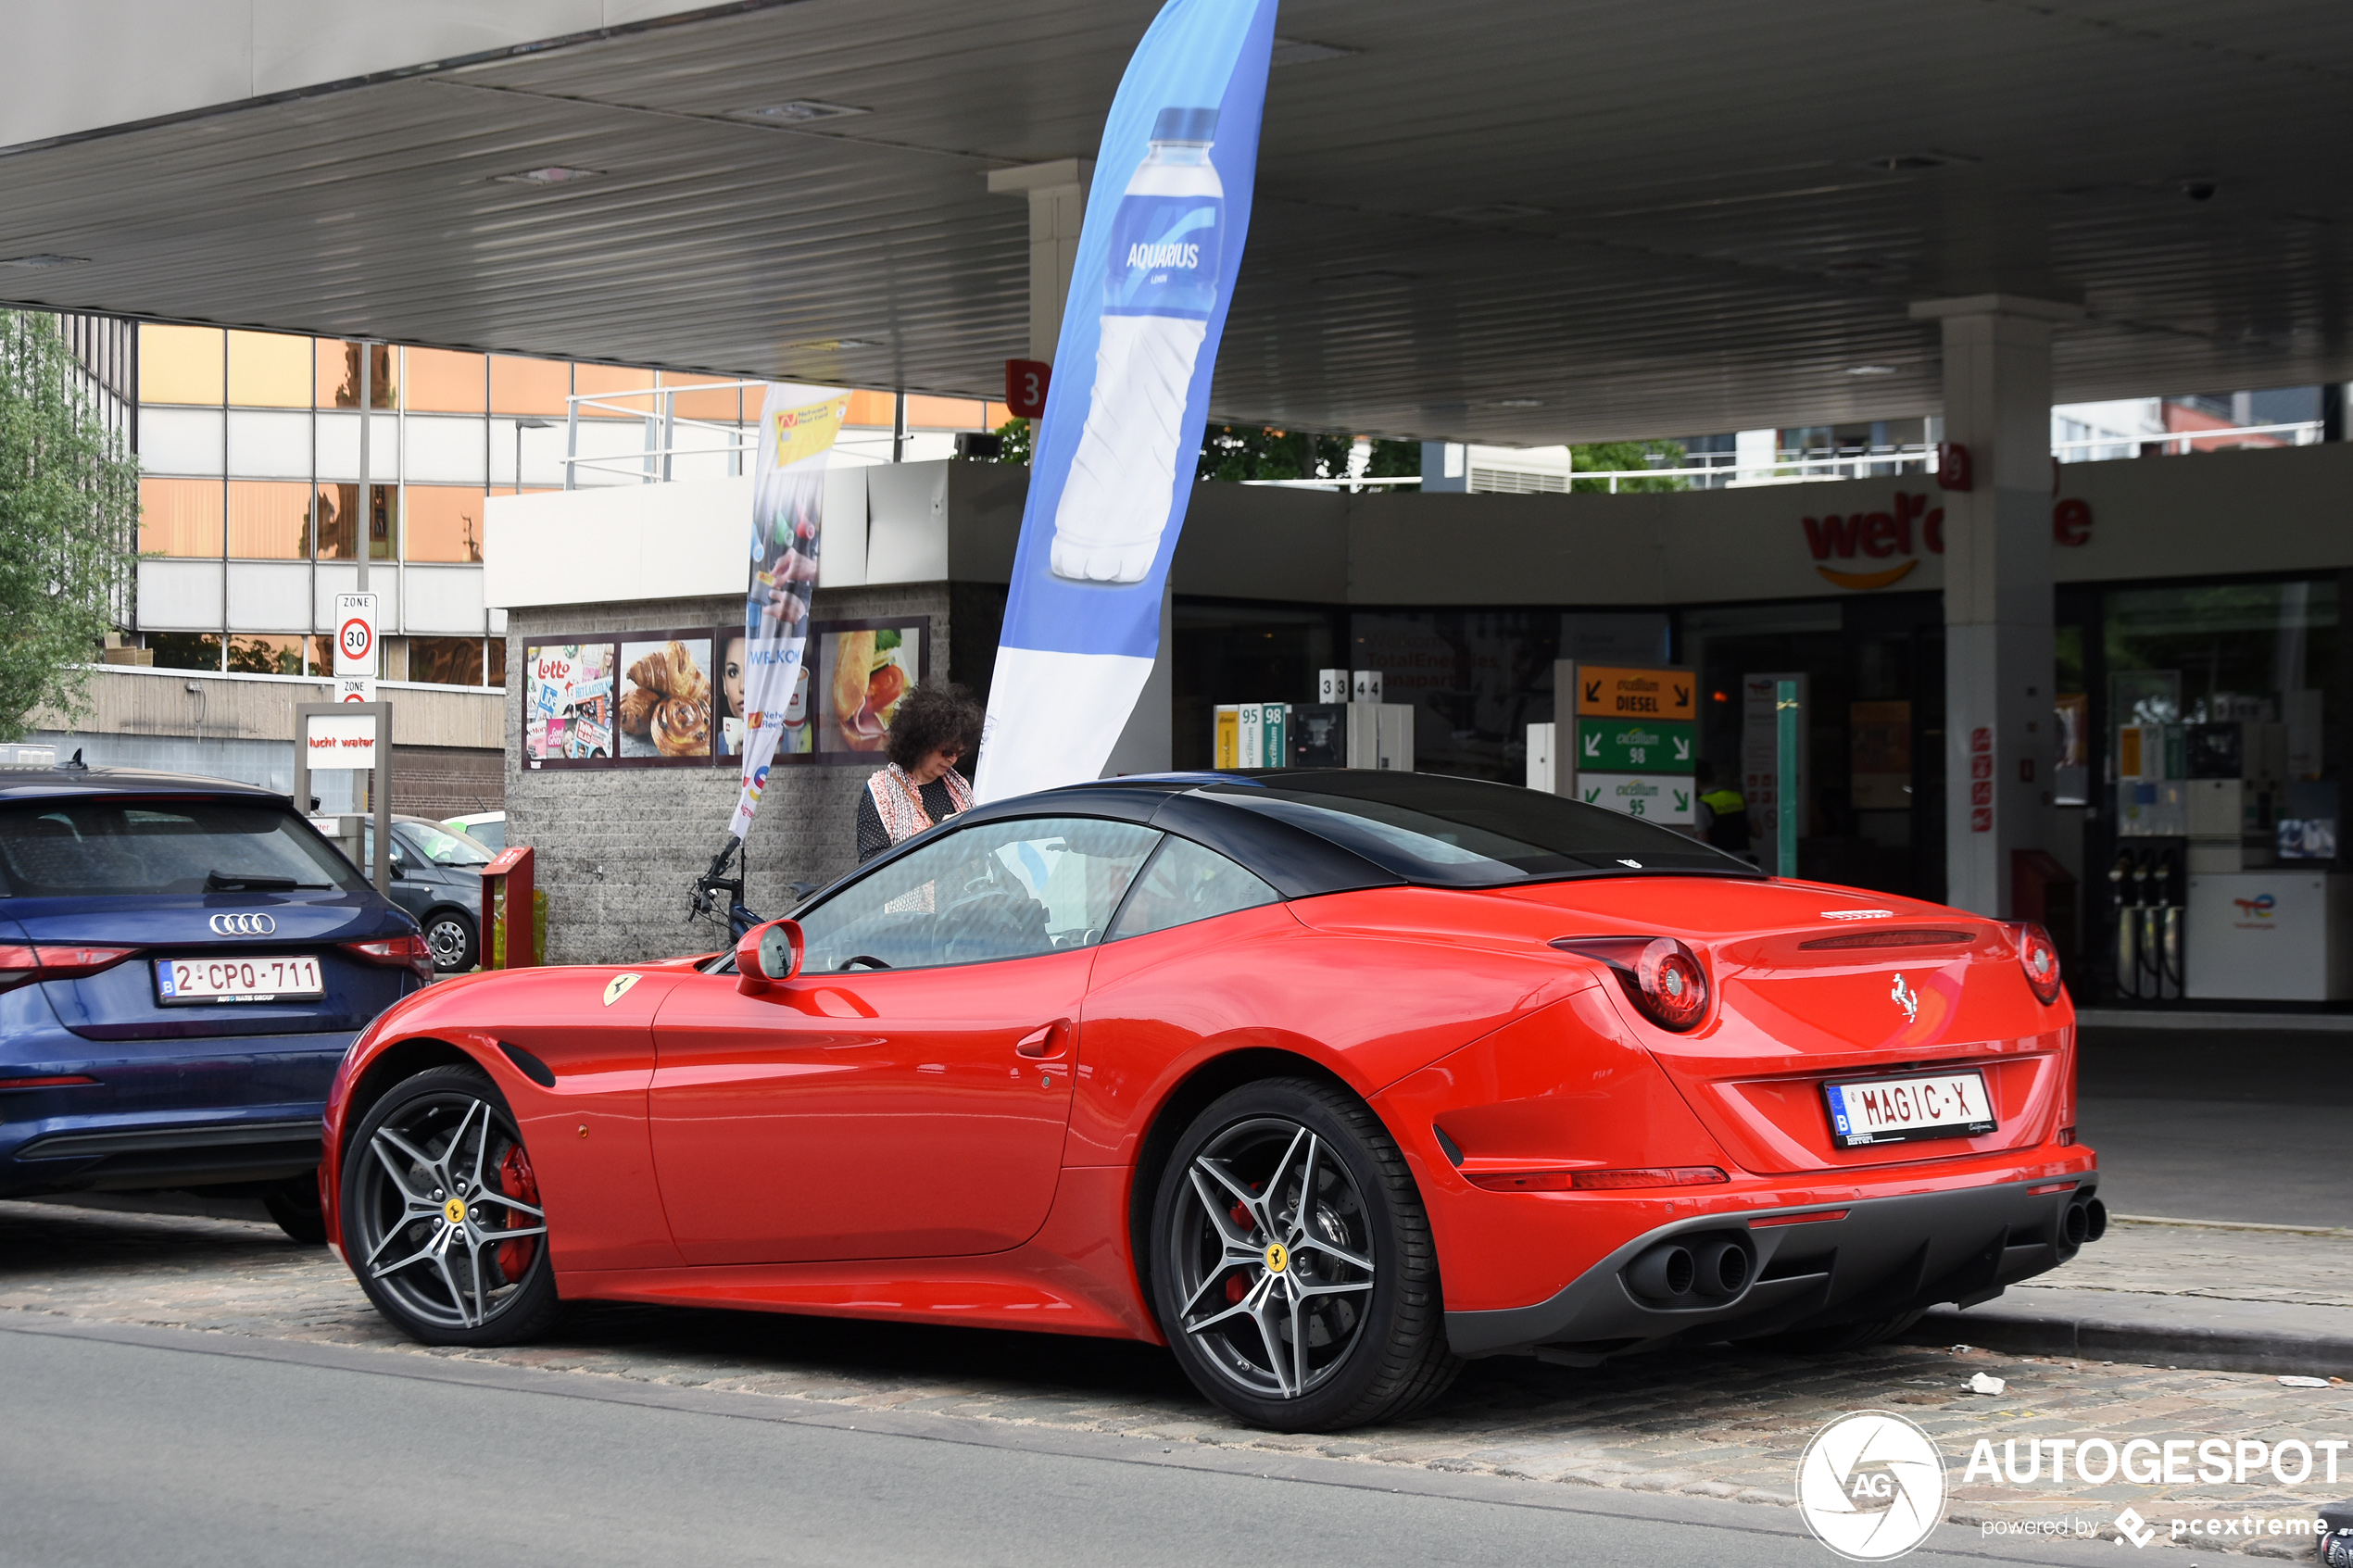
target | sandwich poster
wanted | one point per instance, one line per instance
(867, 669)
(1158, 254)
(796, 429)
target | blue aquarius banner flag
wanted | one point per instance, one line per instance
(1113, 462)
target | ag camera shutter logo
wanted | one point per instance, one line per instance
(1872, 1487)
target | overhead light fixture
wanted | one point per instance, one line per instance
(800, 111)
(1916, 162)
(45, 258)
(1871, 370)
(1299, 52)
(554, 174)
(828, 345)
(1518, 403)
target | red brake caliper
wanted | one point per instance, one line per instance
(517, 1181)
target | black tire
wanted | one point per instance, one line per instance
(294, 1205)
(1837, 1337)
(413, 1213)
(1364, 1279)
(456, 946)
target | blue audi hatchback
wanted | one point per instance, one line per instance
(182, 963)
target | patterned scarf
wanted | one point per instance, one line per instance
(898, 800)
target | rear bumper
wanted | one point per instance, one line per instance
(164, 1114)
(1884, 1256)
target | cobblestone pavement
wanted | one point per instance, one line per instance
(1719, 1422)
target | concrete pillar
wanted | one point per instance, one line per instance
(1057, 193)
(1998, 669)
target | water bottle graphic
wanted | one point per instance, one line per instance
(1161, 285)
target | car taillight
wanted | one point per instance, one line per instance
(413, 953)
(1597, 1181)
(2039, 957)
(22, 963)
(1662, 976)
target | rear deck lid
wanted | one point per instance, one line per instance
(1817, 985)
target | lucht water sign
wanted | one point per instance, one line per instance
(1114, 461)
(796, 429)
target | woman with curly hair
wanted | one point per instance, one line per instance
(938, 726)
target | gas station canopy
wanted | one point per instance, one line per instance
(1518, 222)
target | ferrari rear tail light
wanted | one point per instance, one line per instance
(1597, 1181)
(2040, 959)
(413, 953)
(1662, 976)
(22, 963)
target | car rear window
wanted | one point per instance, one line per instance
(444, 847)
(118, 845)
(1465, 832)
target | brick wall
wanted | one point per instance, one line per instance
(618, 849)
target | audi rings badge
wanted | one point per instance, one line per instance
(243, 926)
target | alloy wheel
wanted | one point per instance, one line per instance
(1273, 1257)
(446, 1210)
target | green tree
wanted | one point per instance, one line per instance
(1239, 452)
(1605, 457)
(69, 502)
(1019, 439)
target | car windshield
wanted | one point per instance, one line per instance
(112, 844)
(1464, 833)
(442, 847)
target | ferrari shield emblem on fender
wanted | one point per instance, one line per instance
(1905, 998)
(618, 987)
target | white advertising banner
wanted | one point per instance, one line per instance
(340, 740)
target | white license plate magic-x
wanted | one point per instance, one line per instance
(247, 978)
(1933, 1104)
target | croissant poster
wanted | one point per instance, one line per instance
(796, 429)
(1114, 457)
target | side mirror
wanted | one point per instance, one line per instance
(768, 954)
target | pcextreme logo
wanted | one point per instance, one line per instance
(1871, 1486)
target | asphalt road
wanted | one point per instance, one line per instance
(126, 1446)
(2237, 1125)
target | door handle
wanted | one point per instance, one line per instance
(1041, 1044)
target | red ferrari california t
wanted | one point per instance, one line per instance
(1327, 1080)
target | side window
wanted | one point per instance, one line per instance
(995, 890)
(1186, 882)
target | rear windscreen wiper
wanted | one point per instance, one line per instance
(242, 882)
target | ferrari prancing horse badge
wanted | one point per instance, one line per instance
(618, 987)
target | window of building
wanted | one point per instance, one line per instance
(269, 371)
(180, 517)
(498, 651)
(338, 375)
(529, 386)
(338, 514)
(180, 365)
(442, 382)
(250, 655)
(613, 383)
(724, 405)
(443, 522)
(269, 520)
(446, 661)
(185, 650)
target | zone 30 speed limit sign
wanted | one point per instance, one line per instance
(355, 633)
